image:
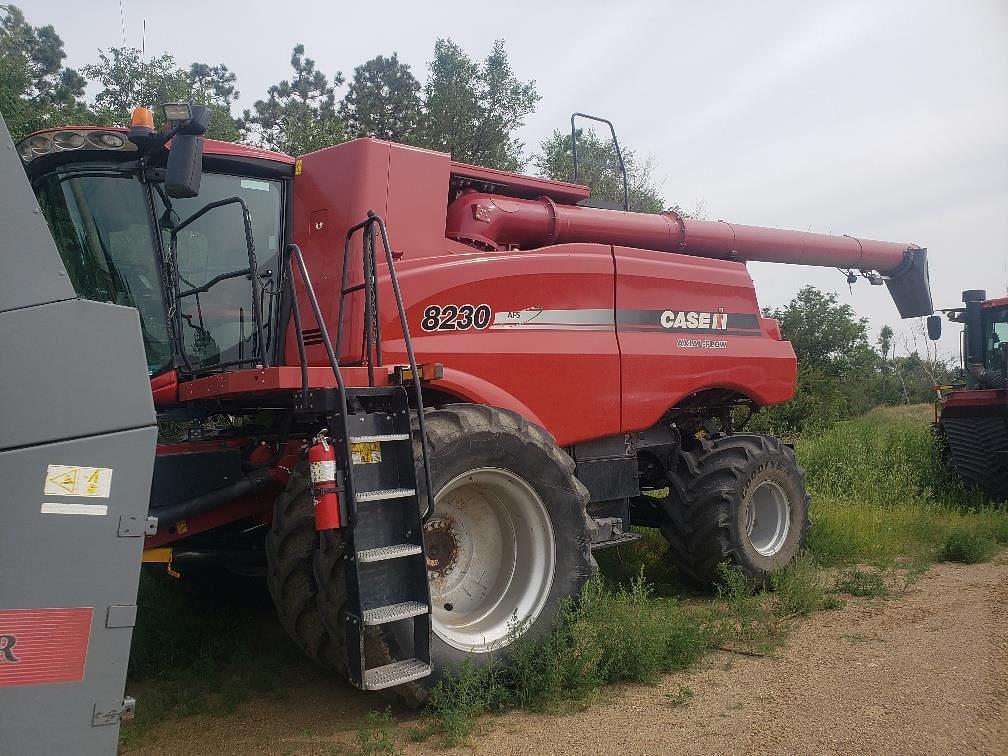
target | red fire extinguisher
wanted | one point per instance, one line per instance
(325, 486)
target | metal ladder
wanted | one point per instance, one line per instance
(386, 568)
(385, 562)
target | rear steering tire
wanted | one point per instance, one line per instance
(739, 500)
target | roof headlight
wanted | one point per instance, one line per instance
(68, 140)
(107, 140)
(40, 144)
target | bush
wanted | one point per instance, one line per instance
(968, 547)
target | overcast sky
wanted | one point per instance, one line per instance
(886, 120)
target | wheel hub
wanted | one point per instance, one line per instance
(768, 518)
(441, 545)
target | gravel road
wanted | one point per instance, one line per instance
(925, 672)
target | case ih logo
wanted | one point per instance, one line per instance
(681, 320)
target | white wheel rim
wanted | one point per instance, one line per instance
(490, 558)
(768, 518)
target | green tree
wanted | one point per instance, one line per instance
(837, 366)
(885, 341)
(472, 110)
(36, 89)
(128, 81)
(598, 168)
(298, 115)
(382, 101)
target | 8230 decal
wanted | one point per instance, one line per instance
(452, 317)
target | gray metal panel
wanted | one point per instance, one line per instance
(71, 369)
(72, 560)
(31, 270)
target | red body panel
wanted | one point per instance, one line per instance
(955, 400)
(39, 646)
(660, 367)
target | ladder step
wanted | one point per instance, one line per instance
(394, 613)
(388, 552)
(395, 673)
(383, 437)
(388, 493)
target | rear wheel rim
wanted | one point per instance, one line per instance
(490, 559)
(768, 518)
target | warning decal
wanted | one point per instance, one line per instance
(367, 453)
(71, 480)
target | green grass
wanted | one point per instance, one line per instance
(205, 644)
(880, 495)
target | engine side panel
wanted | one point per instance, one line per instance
(542, 343)
(687, 324)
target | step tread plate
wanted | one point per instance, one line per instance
(394, 612)
(388, 552)
(395, 673)
(380, 437)
(385, 493)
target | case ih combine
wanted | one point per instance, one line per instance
(423, 392)
(971, 420)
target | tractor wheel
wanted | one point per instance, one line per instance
(507, 541)
(975, 449)
(290, 545)
(738, 499)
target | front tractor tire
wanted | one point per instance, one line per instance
(740, 500)
(506, 543)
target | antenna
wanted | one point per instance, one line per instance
(143, 41)
(122, 22)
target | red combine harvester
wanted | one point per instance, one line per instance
(971, 419)
(421, 392)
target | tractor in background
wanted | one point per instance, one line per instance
(971, 419)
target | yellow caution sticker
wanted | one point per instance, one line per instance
(366, 453)
(71, 480)
(297, 167)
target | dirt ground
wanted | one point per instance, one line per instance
(924, 672)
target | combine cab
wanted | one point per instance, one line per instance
(971, 421)
(416, 394)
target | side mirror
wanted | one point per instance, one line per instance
(934, 326)
(185, 157)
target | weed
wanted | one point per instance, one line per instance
(420, 733)
(680, 697)
(375, 737)
(858, 582)
(967, 546)
(798, 589)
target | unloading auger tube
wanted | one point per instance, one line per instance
(494, 222)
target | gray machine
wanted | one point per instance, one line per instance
(77, 442)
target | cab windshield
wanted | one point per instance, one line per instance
(995, 334)
(102, 221)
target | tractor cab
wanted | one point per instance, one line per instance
(190, 236)
(984, 348)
